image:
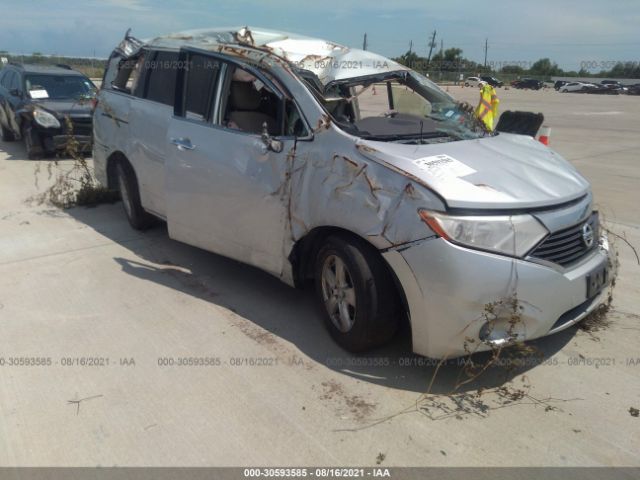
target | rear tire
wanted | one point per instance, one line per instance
(128, 184)
(357, 293)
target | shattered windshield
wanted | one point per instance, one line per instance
(403, 106)
(59, 87)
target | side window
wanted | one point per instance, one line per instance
(129, 75)
(247, 104)
(15, 82)
(7, 79)
(161, 77)
(201, 77)
(294, 125)
(138, 75)
(122, 79)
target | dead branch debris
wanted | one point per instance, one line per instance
(508, 356)
(623, 237)
(78, 402)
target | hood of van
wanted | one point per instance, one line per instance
(505, 171)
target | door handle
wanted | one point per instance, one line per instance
(183, 144)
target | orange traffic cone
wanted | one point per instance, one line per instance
(545, 133)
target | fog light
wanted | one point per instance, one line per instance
(498, 333)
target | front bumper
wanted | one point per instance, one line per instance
(60, 142)
(449, 289)
(57, 139)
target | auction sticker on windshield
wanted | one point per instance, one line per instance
(36, 94)
(443, 167)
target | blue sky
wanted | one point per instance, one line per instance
(569, 32)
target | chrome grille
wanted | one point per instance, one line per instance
(569, 245)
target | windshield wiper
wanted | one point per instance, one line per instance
(406, 136)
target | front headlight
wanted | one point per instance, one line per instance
(45, 119)
(511, 235)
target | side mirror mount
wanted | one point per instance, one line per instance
(270, 143)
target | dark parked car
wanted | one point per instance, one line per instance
(493, 81)
(559, 84)
(603, 89)
(44, 105)
(633, 89)
(614, 86)
(527, 83)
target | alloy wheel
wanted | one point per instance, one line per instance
(338, 293)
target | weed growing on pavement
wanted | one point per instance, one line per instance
(73, 184)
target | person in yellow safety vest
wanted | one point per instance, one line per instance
(487, 109)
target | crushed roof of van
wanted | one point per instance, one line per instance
(329, 61)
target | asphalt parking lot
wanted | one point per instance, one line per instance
(81, 283)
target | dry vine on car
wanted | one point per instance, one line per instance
(470, 394)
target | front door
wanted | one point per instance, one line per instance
(226, 191)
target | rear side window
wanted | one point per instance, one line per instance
(128, 74)
(161, 73)
(15, 82)
(7, 79)
(201, 77)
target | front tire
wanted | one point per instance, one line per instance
(128, 185)
(357, 293)
(32, 143)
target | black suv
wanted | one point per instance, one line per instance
(45, 105)
(527, 83)
(493, 81)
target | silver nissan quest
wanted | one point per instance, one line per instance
(314, 161)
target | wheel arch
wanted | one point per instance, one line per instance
(23, 118)
(112, 175)
(305, 249)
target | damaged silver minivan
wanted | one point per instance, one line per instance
(314, 161)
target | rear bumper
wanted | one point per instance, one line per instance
(449, 290)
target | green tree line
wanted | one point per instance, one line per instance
(92, 67)
(452, 60)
